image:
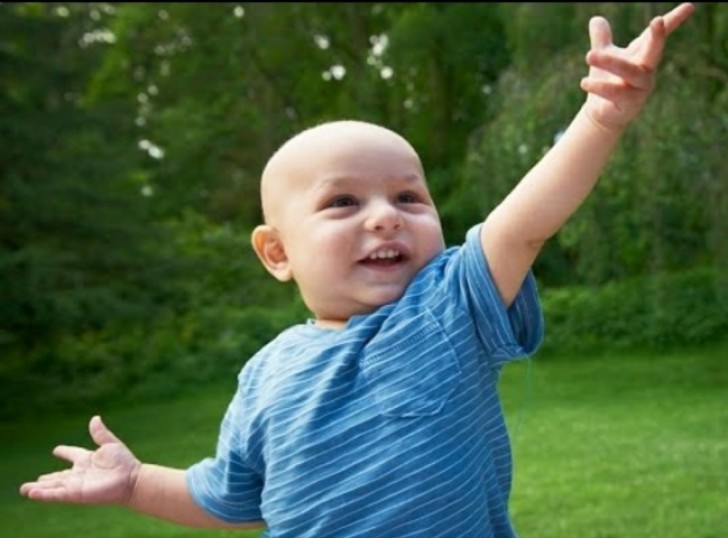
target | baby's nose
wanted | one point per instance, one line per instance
(383, 216)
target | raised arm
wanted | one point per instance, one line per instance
(618, 84)
(111, 474)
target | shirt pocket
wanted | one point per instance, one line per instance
(411, 368)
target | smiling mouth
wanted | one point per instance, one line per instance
(384, 258)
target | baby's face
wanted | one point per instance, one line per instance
(354, 216)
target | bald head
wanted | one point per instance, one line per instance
(337, 147)
(334, 195)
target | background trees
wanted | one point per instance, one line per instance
(132, 136)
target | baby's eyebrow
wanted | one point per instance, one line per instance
(334, 182)
(339, 182)
(412, 178)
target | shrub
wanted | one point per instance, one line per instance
(657, 311)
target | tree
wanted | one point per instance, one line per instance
(76, 246)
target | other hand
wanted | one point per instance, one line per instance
(105, 475)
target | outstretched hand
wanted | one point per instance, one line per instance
(102, 476)
(621, 79)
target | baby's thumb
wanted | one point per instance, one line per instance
(600, 33)
(100, 433)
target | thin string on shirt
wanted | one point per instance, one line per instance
(527, 399)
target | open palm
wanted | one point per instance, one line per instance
(102, 476)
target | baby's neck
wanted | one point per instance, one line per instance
(330, 323)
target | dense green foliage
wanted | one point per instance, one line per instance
(657, 311)
(132, 136)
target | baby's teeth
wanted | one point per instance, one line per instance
(384, 254)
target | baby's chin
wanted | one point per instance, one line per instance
(362, 304)
(376, 301)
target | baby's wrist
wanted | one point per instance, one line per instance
(130, 499)
(613, 129)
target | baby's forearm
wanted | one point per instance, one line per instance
(161, 492)
(545, 198)
(555, 187)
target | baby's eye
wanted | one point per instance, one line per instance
(344, 200)
(407, 198)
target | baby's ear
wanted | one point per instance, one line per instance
(269, 248)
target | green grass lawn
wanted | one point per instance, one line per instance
(620, 445)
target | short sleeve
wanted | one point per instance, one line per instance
(505, 333)
(226, 486)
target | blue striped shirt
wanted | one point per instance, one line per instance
(390, 427)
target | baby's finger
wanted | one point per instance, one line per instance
(600, 33)
(654, 43)
(632, 74)
(38, 484)
(677, 16)
(100, 433)
(73, 454)
(50, 477)
(609, 90)
(26, 487)
(57, 492)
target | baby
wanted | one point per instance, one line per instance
(380, 415)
